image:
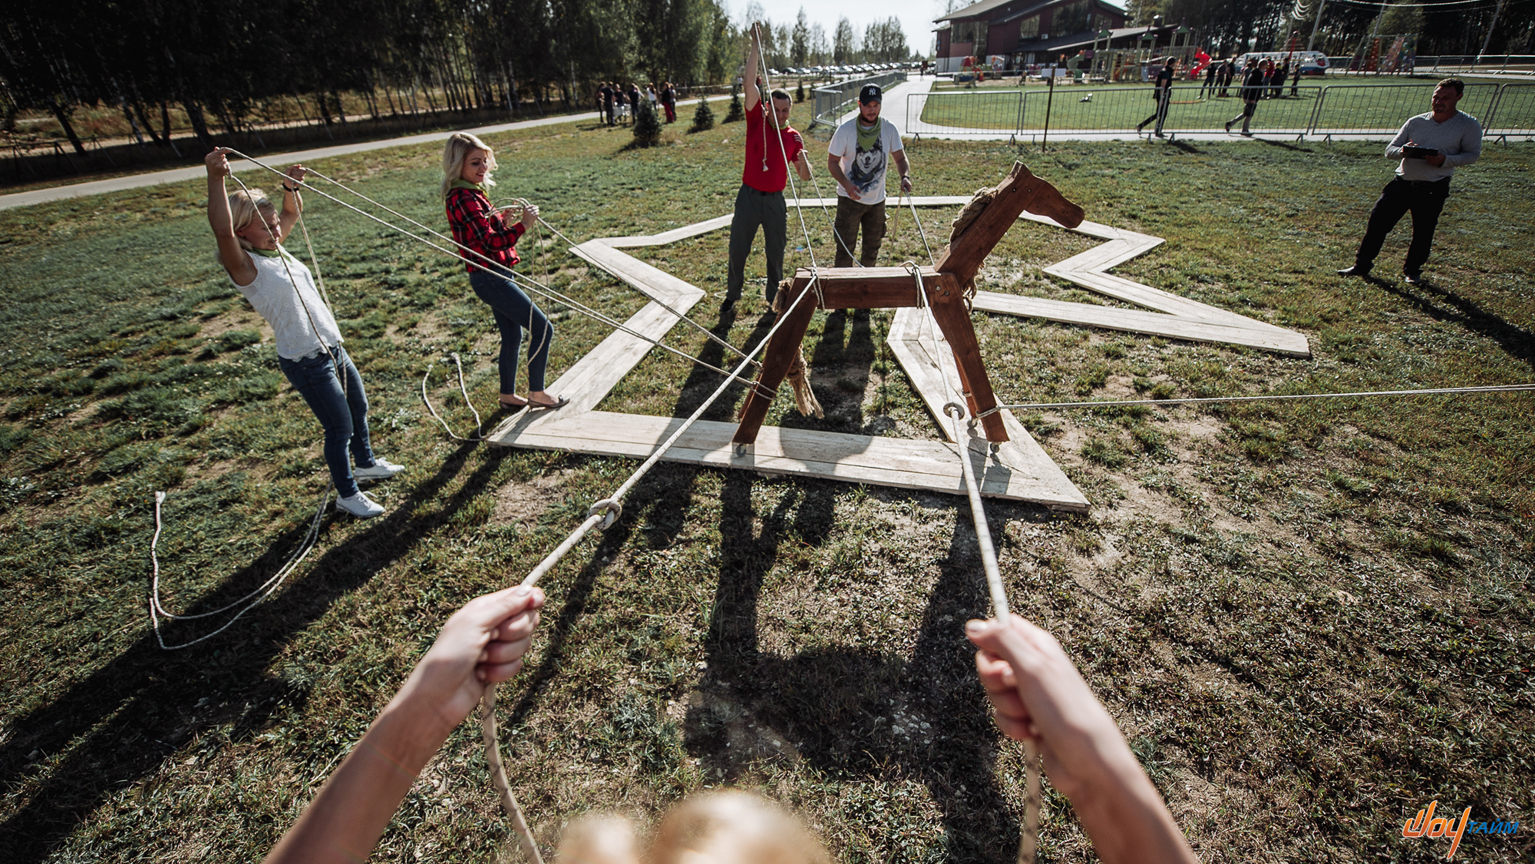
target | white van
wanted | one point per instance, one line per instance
(1311, 62)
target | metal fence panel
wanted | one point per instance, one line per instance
(833, 100)
(1375, 109)
(1514, 113)
(955, 114)
(1081, 109)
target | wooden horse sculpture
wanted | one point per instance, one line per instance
(943, 289)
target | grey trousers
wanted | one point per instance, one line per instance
(754, 209)
(851, 217)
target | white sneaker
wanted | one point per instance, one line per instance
(381, 469)
(360, 505)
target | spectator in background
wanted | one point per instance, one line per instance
(609, 101)
(669, 101)
(1211, 71)
(1295, 80)
(1430, 146)
(1281, 72)
(1162, 92)
(1228, 72)
(1252, 91)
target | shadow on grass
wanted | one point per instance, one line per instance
(856, 713)
(120, 723)
(1444, 305)
(1284, 145)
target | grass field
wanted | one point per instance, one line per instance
(1310, 619)
(1349, 104)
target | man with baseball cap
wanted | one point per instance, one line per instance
(860, 152)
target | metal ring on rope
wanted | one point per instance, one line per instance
(611, 506)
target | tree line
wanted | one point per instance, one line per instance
(1459, 27)
(217, 63)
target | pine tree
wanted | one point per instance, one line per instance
(799, 92)
(703, 118)
(736, 112)
(647, 127)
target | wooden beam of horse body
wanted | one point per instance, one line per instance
(895, 287)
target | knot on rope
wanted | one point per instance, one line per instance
(611, 506)
(916, 273)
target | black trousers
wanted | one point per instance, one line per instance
(1424, 199)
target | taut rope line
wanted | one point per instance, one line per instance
(603, 513)
(1271, 397)
(1028, 834)
(522, 279)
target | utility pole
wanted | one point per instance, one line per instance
(1488, 40)
(1312, 41)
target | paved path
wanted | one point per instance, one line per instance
(179, 175)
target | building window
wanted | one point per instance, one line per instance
(1028, 28)
(970, 31)
(1072, 17)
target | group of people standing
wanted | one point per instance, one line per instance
(858, 158)
(616, 102)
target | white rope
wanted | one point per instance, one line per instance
(157, 610)
(1272, 397)
(479, 425)
(1028, 835)
(603, 513)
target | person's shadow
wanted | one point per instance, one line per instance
(854, 713)
(1444, 305)
(120, 723)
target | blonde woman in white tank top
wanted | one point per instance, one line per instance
(249, 231)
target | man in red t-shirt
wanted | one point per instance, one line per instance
(771, 144)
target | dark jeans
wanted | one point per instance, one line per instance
(513, 310)
(756, 209)
(1160, 115)
(1424, 200)
(343, 412)
(851, 217)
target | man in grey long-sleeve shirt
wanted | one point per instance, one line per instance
(1430, 146)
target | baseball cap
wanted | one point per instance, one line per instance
(871, 93)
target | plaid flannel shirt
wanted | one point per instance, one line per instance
(469, 215)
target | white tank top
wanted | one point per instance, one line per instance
(273, 296)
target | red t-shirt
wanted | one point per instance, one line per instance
(777, 173)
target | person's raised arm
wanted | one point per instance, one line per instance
(749, 76)
(236, 263)
(482, 644)
(292, 204)
(1036, 692)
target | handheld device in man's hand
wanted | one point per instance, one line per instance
(1412, 152)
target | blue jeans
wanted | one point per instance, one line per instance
(343, 413)
(512, 310)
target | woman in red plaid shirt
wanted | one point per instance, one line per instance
(488, 239)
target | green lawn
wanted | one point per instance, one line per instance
(1310, 619)
(1349, 104)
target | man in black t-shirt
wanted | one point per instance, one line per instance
(1162, 91)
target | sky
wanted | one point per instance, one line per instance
(916, 15)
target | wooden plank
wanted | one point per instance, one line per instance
(1140, 321)
(651, 281)
(672, 236)
(902, 463)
